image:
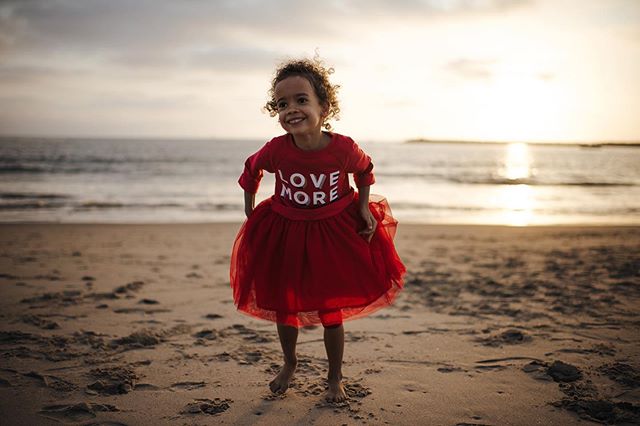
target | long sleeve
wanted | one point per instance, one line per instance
(359, 163)
(253, 167)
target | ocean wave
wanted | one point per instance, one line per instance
(584, 210)
(96, 205)
(21, 168)
(17, 201)
(498, 180)
(31, 196)
(536, 182)
(418, 206)
(31, 205)
(482, 179)
(219, 206)
(121, 205)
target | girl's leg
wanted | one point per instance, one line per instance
(288, 339)
(334, 344)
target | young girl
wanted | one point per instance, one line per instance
(316, 252)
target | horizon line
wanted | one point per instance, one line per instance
(630, 142)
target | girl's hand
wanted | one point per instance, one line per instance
(370, 224)
(249, 203)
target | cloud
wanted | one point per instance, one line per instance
(471, 69)
(95, 26)
(546, 76)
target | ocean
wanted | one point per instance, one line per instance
(54, 180)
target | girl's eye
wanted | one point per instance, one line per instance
(303, 100)
(281, 105)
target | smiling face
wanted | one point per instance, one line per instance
(299, 109)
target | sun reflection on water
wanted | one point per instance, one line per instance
(516, 200)
(517, 165)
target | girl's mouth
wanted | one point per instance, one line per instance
(295, 120)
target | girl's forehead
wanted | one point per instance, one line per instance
(293, 85)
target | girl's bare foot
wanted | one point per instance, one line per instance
(281, 383)
(336, 392)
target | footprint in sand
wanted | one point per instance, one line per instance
(509, 337)
(207, 406)
(65, 298)
(206, 335)
(132, 286)
(187, 385)
(75, 412)
(39, 322)
(136, 340)
(112, 380)
(622, 373)
(52, 382)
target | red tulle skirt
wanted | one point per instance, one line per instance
(304, 267)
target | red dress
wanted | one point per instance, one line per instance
(298, 259)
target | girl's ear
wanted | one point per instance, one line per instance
(325, 110)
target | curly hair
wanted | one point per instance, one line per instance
(318, 76)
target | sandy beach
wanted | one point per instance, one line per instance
(135, 325)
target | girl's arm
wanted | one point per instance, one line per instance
(249, 203)
(363, 206)
(252, 175)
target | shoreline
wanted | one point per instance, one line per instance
(401, 223)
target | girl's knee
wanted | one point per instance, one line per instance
(331, 319)
(331, 326)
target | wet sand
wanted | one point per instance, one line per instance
(134, 325)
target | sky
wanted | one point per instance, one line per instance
(488, 70)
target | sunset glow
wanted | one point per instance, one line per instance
(516, 71)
